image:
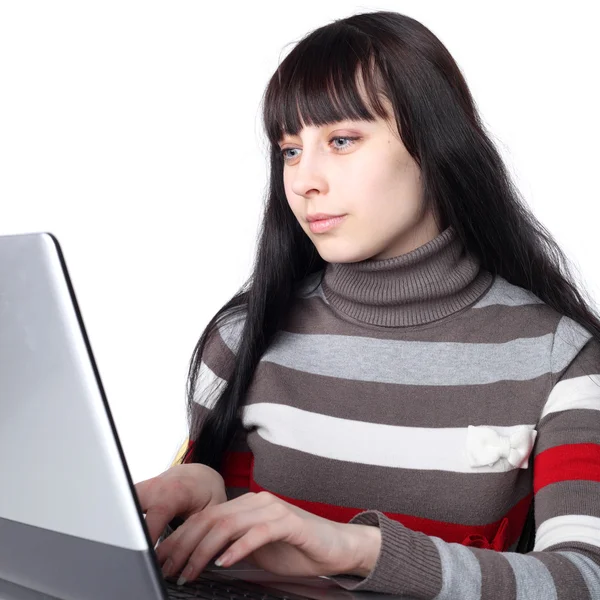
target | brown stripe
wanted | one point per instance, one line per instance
(218, 357)
(500, 403)
(496, 574)
(567, 498)
(592, 552)
(580, 426)
(490, 324)
(566, 575)
(409, 563)
(462, 498)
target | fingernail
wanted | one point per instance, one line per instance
(222, 560)
(167, 567)
(187, 572)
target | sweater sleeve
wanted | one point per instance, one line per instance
(565, 561)
(215, 370)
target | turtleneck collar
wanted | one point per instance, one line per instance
(421, 286)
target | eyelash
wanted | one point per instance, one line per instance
(351, 139)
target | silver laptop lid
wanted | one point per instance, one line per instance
(65, 484)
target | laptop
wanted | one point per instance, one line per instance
(70, 522)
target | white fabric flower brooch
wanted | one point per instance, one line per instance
(485, 446)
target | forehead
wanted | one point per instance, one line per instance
(362, 125)
(327, 126)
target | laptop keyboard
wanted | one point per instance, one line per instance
(211, 586)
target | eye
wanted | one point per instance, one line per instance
(350, 139)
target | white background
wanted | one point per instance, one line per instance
(131, 130)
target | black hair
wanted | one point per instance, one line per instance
(465, 184)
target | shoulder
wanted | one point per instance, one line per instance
(507, 300)
(504, 293)
(230, 327)
(223, 339)
(564, 336)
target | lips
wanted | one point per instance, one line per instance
(321, 217)
(323, 225)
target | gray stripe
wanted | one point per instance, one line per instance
(486, 325)
(579, 426)
(565, 574)
(569, 339)
(498, 404)
(231, 330)
(571, 497)
(411, 362)
(506, 294)
(534, 581)
(461, 574)
(589, 570)
(469, 498)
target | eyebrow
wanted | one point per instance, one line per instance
(345, 122)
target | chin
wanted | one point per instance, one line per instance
(341, 253)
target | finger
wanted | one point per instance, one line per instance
(209, 532)
(279, 530)
(212, 513)
(157, 518)
(157, 515)
(223, 533)
(141, 491)
(161, 500)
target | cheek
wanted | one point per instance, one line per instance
(295, 206)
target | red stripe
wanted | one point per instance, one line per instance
(237, 469)
(499, 535)
(237, 466)
(566, 463)
(449, 532)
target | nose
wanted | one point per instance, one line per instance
(308, 177)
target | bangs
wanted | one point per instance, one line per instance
(324, 79)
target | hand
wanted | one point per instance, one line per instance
(272, 534)
(182, 490)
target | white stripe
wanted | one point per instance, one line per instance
(209, 386)
(578, 392)
(441, 448)
(568, 528)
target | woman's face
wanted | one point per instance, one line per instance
(372, 180)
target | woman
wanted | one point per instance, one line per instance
(410, 369)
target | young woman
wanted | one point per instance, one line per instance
(410, 369)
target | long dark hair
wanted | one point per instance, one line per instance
(465, 184)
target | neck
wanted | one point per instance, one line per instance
(429, 283)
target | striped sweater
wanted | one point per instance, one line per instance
(423, 395)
